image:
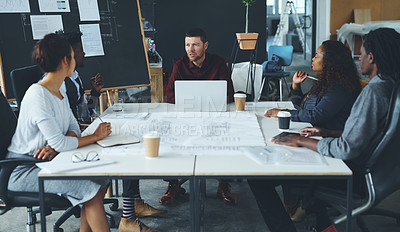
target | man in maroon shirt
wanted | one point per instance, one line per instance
(198, 65)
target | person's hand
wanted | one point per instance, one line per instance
(103, 130)
(290, 140)
(272, 113)
(314, 131)
(97, 82)
(45, 153)
(299, 77)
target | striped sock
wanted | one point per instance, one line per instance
(128, 207)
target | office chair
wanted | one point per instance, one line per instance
(382, 167)
(23, 78)
(10, 199)
(285, 54)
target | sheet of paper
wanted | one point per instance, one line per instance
(200, 133)
(61, 165)
(126, 116)
(54, 6)
(91, 40)
(45, 24)
(88, 10)
(280, 155)
(14, 6)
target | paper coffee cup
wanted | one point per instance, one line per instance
(284, 119)
(151, 144)
(240, 101)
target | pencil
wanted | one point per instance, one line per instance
(98, 115)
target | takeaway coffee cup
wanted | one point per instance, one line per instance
(284, 119)
(240, 101)
(151, 144)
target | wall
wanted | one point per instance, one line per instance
(342, 11)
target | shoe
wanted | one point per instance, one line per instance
(224, 191)
(133, 225)
(296, 211)
(298, 215)
(172, 192)
(143, 209)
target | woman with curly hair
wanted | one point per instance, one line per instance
(330, 99)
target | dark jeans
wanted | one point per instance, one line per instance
(270, 205)
(130, 188)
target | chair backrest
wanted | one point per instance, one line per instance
(23, 78)
(7, 126)
(384, 163)
(284, 52)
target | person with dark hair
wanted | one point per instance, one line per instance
(197, 64)
(133, 204)
(46, 126)
(379, 59)
(330, 99)
(81, 107)
(327, 104)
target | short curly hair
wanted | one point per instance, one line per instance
(338, 67)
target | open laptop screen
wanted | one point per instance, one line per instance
(201, 96)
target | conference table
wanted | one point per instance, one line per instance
(195, 167)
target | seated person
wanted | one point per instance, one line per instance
(329, 102)
(379, 59)
(330, 99)
(81, 107)
(198, 65)
(47, 126)
(133, 205)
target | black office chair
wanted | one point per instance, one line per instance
(285, 56)
(381, 173)
(23, 78)
(11, 199)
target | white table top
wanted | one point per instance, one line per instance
(242, 165)
(209, 165)
(130, 165)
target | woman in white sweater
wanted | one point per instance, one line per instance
(46, 126)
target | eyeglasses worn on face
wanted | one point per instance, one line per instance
(91, 156)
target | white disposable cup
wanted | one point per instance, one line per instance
(240, 101)
(284, 119)
(151, 144)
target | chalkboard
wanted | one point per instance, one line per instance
(220, 19)
(125, 63)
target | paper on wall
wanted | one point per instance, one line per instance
(45, 24)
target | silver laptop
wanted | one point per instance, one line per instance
(200, 96)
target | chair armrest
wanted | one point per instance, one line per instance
(6, 168)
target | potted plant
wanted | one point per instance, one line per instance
(247, 40)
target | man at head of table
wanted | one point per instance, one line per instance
(197, 64)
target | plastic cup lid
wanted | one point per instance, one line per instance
(152, 134)
(283, 114)
(240, 95)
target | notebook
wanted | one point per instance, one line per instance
(113, 140)
(200, 96)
